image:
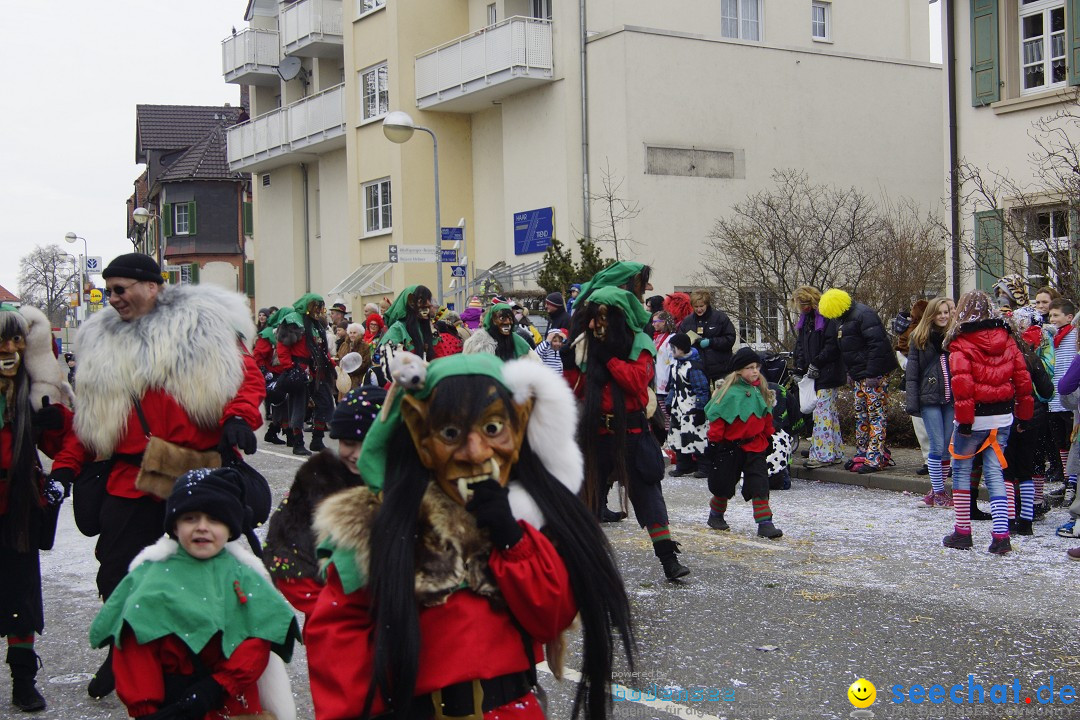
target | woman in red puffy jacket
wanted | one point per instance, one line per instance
(990, 383)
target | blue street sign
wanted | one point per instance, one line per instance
(449, 256)
(533, 230)
(452, 234)
(457, 271)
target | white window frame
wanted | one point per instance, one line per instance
(378, 219)
(177, 222)
(366, 7)
(1043, 249)
(751, 330)
(826, 21)
(746, 29)
(492, 15)
(383, 92)
(1046, 44)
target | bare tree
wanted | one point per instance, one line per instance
(46, 277)
(801, 233)
(1030, 227)
(615, 212)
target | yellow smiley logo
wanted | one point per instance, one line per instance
(862, 693)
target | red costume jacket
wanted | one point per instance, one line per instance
(461, 640)
(632, 376)
(988, 375)
(752, 435)
(264, 354)
(139, 671)
(50, 443)
(168, 421)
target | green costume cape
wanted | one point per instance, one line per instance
(373, 454)
(611, 276)
(520, 346)
(194, 600)
(396, 332)
(636, 315)
(741, 401)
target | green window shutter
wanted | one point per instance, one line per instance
(985, 71)
(1072, 27)
(191, 218)
(174, 277)
(249, 220)
(167, 217)
(194, 271)
(249, 278)
(989, 249)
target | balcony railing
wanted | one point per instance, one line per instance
(250, 57)
(466, 74)
(313, 125)
(312, 28)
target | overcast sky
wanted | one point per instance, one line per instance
(76, 70)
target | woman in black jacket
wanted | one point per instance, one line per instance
(715, 334)
(817, 354)
(929, 394)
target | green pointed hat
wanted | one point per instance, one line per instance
(636, 314)
(612, 276)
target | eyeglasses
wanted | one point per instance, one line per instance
(118, 290)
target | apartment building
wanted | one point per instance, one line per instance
(690, 105)
(1015, 64)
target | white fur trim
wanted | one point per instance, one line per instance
(46, 377)
(553, 422)
(186, 346)
(239, 550)
(163, 549)
(275, 690)
(523, 507)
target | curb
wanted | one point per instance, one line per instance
(882, 480)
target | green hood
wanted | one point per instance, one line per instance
(397, 310)
(611, 276)
(636, 314)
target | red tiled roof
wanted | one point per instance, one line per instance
(7, 296)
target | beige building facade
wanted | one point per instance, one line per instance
(690, 106)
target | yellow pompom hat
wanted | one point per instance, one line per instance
(834, 303)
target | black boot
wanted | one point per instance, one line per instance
(103, 681)
(271, 435)
(317, 443)
(666, 551)
(24, 664)
(976, 513)
(298, 444)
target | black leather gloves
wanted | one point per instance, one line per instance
(237, 433)
(490, 504)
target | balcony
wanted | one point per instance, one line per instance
(466, 75)
(312, 28)
(311, 126)
(251, 57)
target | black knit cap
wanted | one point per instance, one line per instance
(743, 357)
(555, 298)
(681, 341)
(218, 493)
(136, 266)
(356, 412)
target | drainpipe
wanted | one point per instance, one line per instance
(307, 233)
(586, 213)
(954, 150)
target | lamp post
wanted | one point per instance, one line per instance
(398, 127)
(142, 216)
(80, 314)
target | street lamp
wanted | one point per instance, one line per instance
(141, 216)
(398, 127)
(73, 238)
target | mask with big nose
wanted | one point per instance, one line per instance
(504, 322)
(461, 451)
(11, 349)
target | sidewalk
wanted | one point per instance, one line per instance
(899, 477)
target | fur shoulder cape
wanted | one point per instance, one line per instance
(451, 552)
(186, 346)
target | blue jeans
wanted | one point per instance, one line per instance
(938, 420)
(968, 445)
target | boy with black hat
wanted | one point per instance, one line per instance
(740, 417)
(289, 551)
(194, 622)
(688, 392)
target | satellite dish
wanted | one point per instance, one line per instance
(290, 68)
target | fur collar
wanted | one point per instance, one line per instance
(187, 346)
(479, 342)
(166, 547)
(43, 367)
(451, 550)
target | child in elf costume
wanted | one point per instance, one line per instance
(467, 548)
(196, 620)
(740, 425)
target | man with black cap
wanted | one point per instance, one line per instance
(556, 310)
(160, 362)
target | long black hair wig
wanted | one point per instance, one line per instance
(420, 332)
(23, 490)
(596, 583)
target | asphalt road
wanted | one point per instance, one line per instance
(858, 587)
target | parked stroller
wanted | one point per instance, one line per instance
(787, 418)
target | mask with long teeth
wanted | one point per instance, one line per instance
(463, 451)
(504, 322)
(11, 349)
